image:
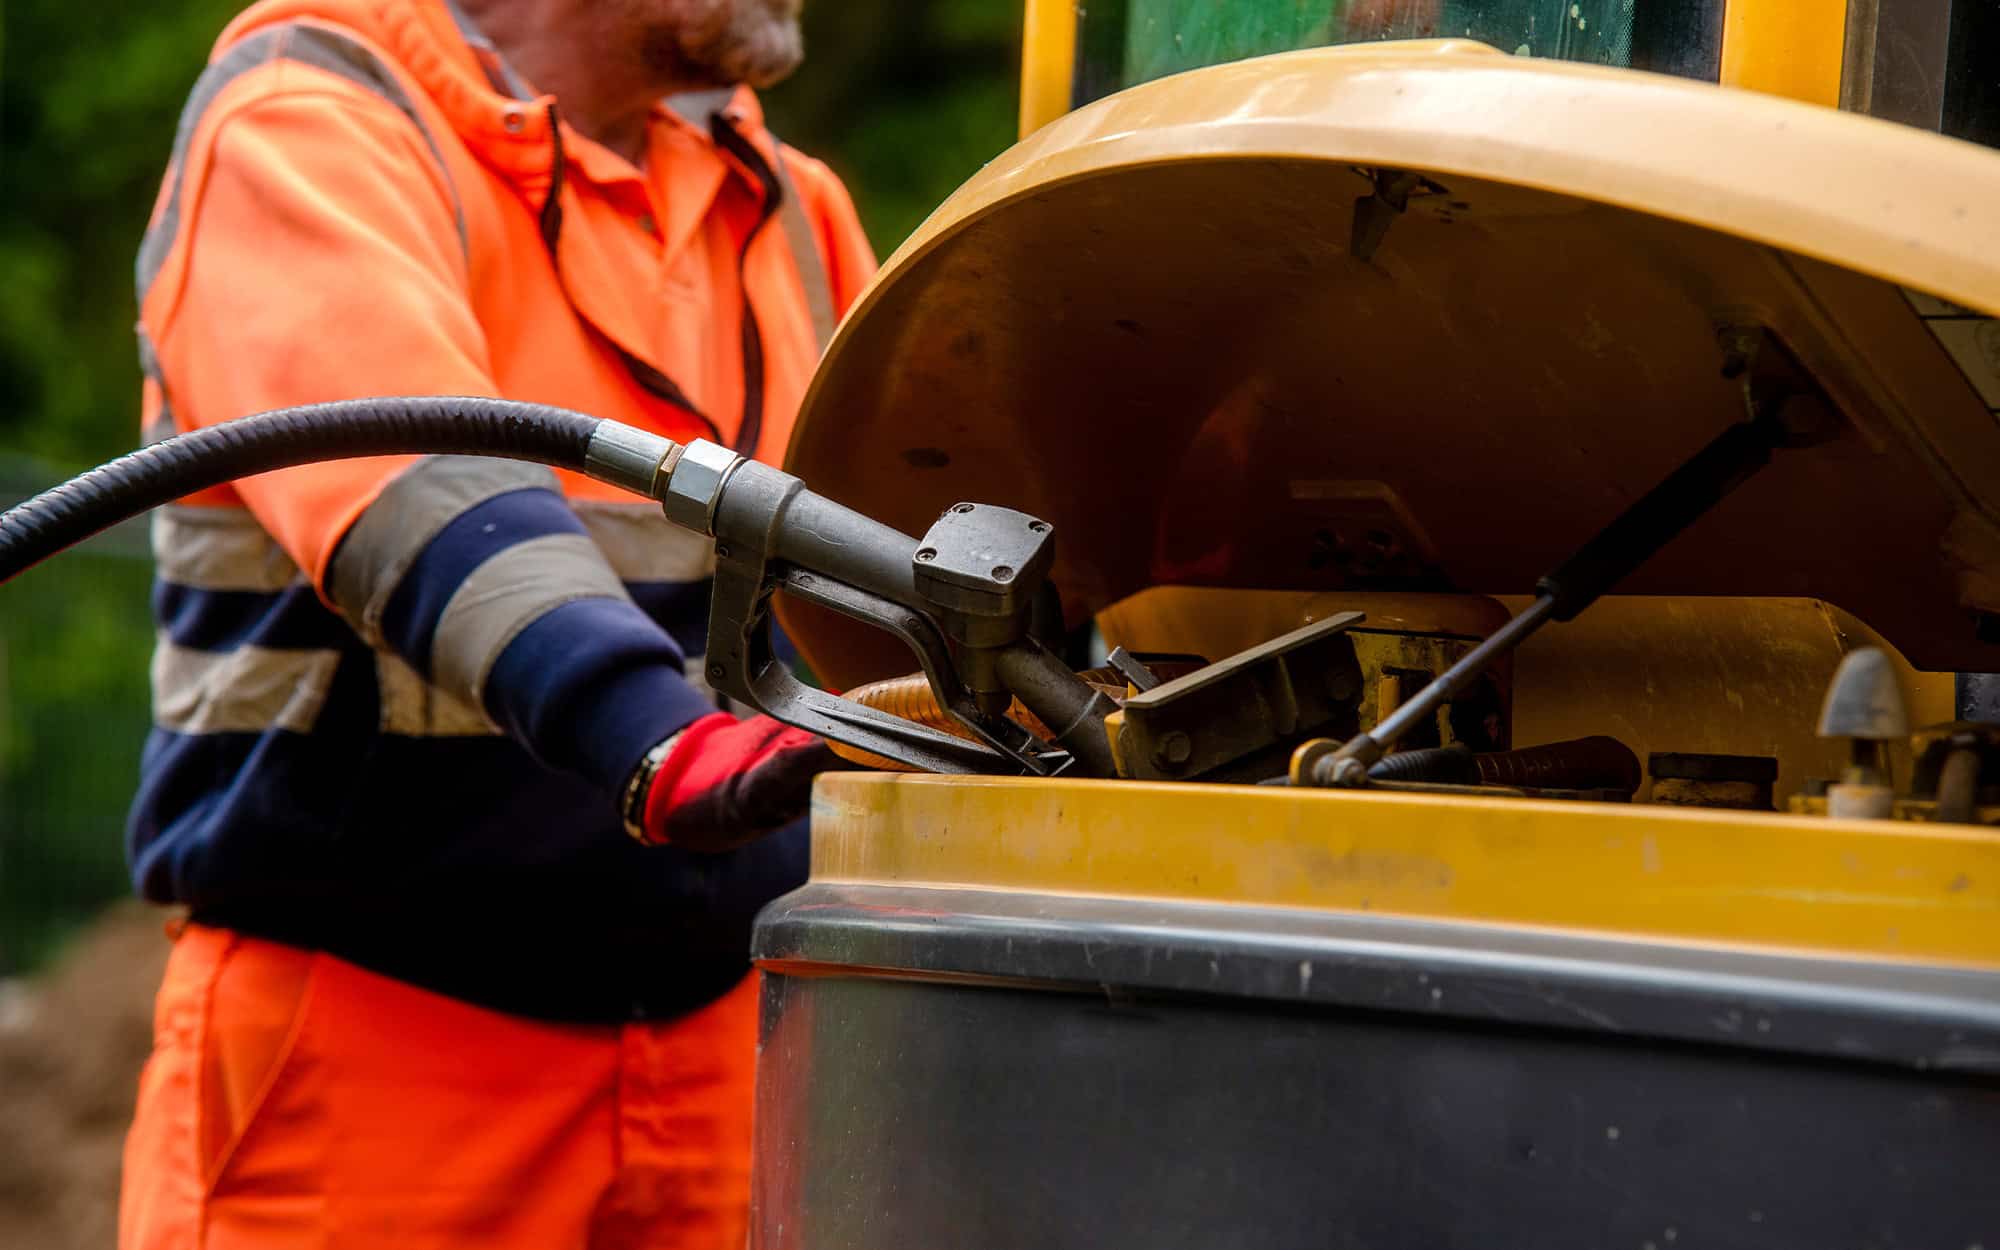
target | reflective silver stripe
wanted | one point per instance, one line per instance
(394, 530)
(318, 46)
(149, 360)
(510, 591)
(643, 546)
(413, 707)
(218, 549)
(161, 427)
(250, 689)
(805, 254)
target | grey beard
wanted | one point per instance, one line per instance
(756, 42)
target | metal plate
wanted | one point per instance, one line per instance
(1922, 1018)
(901, 1111)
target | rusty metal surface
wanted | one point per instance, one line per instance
(1696, 779)
(1748, 796)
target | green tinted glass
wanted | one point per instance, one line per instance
(1123, 42)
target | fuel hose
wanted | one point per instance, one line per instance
(165, 471)
(912, 698)
(1594, 763)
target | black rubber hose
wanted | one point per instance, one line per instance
(67, 514)
(1595, 763)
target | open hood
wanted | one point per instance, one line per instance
(1156, 324)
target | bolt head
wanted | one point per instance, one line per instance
(1173, 750)
(1349, 773)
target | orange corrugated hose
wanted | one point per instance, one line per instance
(911, 698)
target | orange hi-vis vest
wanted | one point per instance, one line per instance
(394, 698)
(480, 246)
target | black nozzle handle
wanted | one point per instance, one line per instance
(1732, 459)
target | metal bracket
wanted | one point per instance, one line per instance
(1132, 669)
(1243, 705)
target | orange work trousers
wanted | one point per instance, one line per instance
(295, 1100)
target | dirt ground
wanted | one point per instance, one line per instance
(71, 1044)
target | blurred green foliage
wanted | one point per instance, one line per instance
(74, 642)
(905, 100)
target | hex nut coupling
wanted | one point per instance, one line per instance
(696, 486)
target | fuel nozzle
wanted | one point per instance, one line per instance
(1864, 704)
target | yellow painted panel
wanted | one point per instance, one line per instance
(1785, 47)
(1924, 893)
(1048, 62)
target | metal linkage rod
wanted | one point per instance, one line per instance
(1660, 516)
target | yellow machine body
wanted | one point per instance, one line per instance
(1393, 328)
(1146, 324)
(1897, 891)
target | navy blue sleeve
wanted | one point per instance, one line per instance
(481, 577)
(591, 686)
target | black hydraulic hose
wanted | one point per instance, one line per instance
(67, 514)
(1453, 765)
(1594, 763)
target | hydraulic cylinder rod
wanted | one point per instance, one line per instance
(1687, 494)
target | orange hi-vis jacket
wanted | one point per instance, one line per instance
(395, 698)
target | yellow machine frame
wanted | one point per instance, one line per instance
(1867, 889)
(1909, 892)
(1792, 48)
(1172, 326)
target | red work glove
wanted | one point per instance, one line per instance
(722, 782)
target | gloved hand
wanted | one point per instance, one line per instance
(722, 782)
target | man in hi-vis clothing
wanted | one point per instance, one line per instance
(470, 864)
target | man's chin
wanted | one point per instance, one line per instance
(764, 57)
(720, 43)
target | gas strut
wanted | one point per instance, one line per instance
(960, 597)
(1772, 380)
(1628, 542)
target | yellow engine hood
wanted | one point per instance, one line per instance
(1145, 324)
